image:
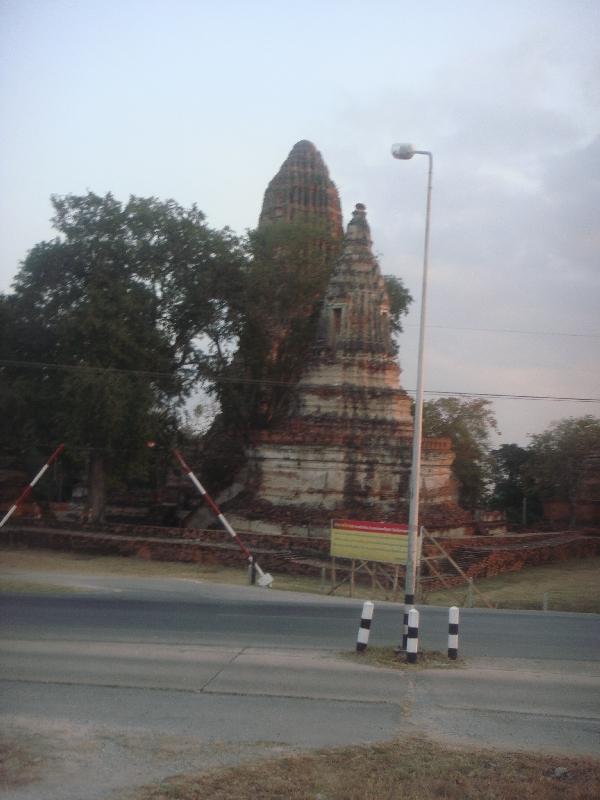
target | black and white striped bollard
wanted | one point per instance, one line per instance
(412, 641)
(453, 616)
(404, 627)
(362, 640)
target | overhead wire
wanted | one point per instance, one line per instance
(261, 382)
(506, 330)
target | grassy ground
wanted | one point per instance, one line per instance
(571, 585)
(412, 769)
(39, 560)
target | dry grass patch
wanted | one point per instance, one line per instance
(404, 770)
(20, 764)
(40, 560)
(388, 657)
(572, 585)
(15, 584)
(36, 559)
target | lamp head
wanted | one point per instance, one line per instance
(403, 151)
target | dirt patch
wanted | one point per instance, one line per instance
(391, 658)
(22, 761)
(41, 760)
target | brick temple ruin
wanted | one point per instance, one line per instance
(303, 188)
(345, 448)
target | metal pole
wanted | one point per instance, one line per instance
(30, 485)
(415, 474)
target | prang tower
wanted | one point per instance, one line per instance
(345, 448)
(303, 189)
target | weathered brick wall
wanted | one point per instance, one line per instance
(559, 511)
(282, 553)
(480, 556)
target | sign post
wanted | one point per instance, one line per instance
(385, 542)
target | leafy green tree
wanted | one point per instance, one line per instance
(289, 267)
(509, 491)
(469, 424)
(400, 299)
(557, 459)
(111, 311)
(287, 270)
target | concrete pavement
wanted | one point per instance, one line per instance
(528, 704)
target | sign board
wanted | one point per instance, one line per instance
(369, 541)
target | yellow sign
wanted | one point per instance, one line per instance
(369, 541)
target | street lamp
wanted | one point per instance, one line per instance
(405, 152)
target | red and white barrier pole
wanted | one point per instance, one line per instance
(264, 579)
(30, 486)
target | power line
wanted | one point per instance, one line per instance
(86, 367)
(260, 382)
(514, 396)
(508, 330)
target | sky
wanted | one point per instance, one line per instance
(202, 101)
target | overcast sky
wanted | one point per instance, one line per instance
(202, 101)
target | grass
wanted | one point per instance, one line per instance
(408, 769)
(387, 657)
(571, 585)
(40, 560)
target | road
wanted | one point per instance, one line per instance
(194, 612)
(139, 679)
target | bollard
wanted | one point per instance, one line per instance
(412, 642)
(252, 571)
(362, 639)
(453, 616)
(404, 627)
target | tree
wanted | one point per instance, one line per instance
(557, 459)
(111, 311)
(469, 424)
(287, 269)
(508, 463)
(400, 299)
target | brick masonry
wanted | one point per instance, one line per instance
(480, 556)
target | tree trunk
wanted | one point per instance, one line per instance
(573, 493)
(96, 487)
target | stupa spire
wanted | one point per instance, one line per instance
(303, 189)
(355, 316)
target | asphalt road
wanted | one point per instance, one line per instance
(190, 612)
(127, 680)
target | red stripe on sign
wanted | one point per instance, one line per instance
(369, 527)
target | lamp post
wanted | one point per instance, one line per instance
(405, 152)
